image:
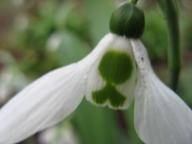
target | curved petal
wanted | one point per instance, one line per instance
(49, 99)
(161, 117)
(42, 104)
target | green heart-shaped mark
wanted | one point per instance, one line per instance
(115, 67)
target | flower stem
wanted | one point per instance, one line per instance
(174, 58)
(121, 121)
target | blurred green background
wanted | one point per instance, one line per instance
(39, 35)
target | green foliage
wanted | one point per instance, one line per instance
(96, 125)
(98, 14)
(185, 84)
(186, 31)
(155, 35)
(70, 48)
(71, 35)
(169, 9)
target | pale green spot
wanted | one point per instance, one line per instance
(115, 67)
(110, 93)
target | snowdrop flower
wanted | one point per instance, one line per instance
(114, 74)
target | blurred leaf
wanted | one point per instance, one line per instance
(63, 12)
(98, 13)
(96, 125)
(132, 135)
(155, 35)
(70, 48)
(185, 84)
(48, 8)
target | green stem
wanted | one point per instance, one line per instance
(121, 121)
(174, 58)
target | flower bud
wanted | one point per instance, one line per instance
(127, 21)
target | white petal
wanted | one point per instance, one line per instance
(42, 104)
(161, 117)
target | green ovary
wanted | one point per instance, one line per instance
(115, 67)
(110, 93)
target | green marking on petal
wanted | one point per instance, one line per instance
(115, 67)
(109, 93)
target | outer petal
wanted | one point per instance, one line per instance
(43, 103)
(49, 99)
(161, 117)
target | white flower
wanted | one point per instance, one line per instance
(116, 72)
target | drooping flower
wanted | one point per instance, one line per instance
(113, 74)
(116, 73)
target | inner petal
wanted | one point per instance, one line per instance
(109, 93)
(115, 67)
